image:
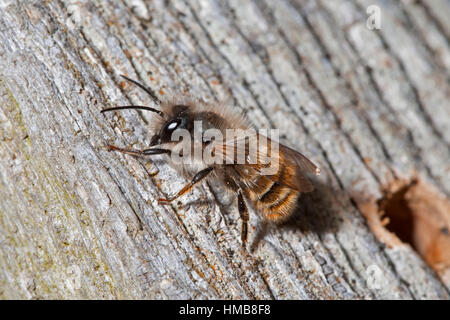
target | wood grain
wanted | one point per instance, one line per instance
(77, 221)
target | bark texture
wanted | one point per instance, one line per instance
(368, 106)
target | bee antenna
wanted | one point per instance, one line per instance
(149, 91)
(134, 107)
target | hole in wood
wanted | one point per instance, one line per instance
(397, 216)
(412, 212)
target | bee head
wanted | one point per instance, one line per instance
(180, 118)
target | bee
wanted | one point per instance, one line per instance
(272, 191)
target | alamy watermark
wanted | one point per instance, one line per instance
(374, 17)
(238, 146)
(375, 278)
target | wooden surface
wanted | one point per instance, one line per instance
(77, 221)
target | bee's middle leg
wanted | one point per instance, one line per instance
(197, 178)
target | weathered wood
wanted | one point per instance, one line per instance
(77, 221)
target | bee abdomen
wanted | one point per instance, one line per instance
(275, 201)
(274, 194)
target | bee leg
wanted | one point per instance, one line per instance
(261, 232)
(243, 212)
(242, 206)
(146, 152)
(197, 178)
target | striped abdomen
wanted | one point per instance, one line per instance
(275, 201)
(275, 196)
(270, 194)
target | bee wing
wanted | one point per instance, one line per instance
(302, 162)
(292, 165)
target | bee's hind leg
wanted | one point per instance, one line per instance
(231, 184)
(243, 212)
